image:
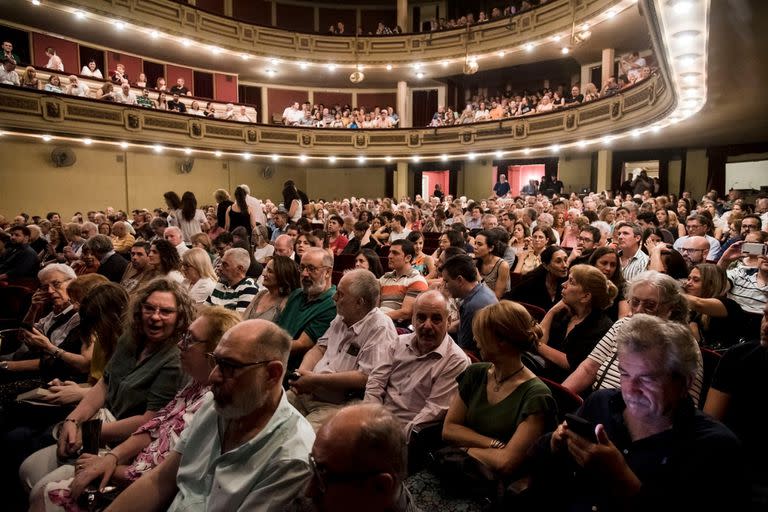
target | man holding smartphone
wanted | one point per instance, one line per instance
(650, 447)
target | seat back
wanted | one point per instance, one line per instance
(535, 311)
(710, 360)
(343, 262)
(14, 302)
(567, 401)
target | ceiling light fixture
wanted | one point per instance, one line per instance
(389, 67)
(87, 141)
(275, 158)
(123, 145)
(79, 15)
(217, 154)
(187, 151)
(158, 148)
(119, 25)
(332, 159)
(47, 138)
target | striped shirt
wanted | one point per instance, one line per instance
(746, 291)
(636, 265)
(236, 298)
(394, 288)
(608, 376)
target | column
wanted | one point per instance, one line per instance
(401, 180)
(585, 75)
(273, 15)
(316, 21)
(229, 8)
(403, 105)
(442, 94)
(604, 165)
(402, 15)
(264, 114)
(607, 64)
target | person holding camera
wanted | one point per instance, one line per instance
(749, 284)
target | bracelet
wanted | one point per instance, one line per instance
(497, 444)
(117, 461)
(57, 353)
(77, 423)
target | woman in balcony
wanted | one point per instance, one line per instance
(29, 79)
(91, 70)
(54, 84)
(467, 116)
(482, 113)
(590, 92)
(195, 109)
(545, 105)
(162, 101)
(141, 82)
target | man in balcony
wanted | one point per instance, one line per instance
(8, 74)
(176, 104)
(144, 100)
(8, 52)
(124, 95)
(293, 114)
(180, 88)
(76, 88)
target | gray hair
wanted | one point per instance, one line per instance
(604, 227)
(364, 285)
(240, 257)
(99, 244)
(670, 293)
(273, 343)
(680, 354)
(327, 258)
(57, 267)
(89, 226)
(246, 188)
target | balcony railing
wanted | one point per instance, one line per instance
(33, 111)
(207, 28)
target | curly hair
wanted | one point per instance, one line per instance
(184, 306)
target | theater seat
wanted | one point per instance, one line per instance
(710, 360)
(567, 401)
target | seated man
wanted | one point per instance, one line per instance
(354, 344)
(247, 448)
(234, 290)
(284, 246)
(76, 88)
(111, 264)
(139, 272)
(749, 284)
(363, 444)
(8, 74)
(125, 95)
(19, 260)
(417, 380)
(647, 446)
(401, 286)
(180, 88)
(310, 309)
(174, 236)
(177, 105)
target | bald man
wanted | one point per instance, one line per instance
(247, 448)
(365, 443)
(417, 379)
(284, 246)
(695, 250)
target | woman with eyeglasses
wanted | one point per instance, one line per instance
(199, 276)
(281, 277)
(151, 442)
(140, 379)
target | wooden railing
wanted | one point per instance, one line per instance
(34, 111)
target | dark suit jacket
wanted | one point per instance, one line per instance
(114, 268)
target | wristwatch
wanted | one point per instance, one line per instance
(4, 365)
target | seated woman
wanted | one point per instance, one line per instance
(53, 85)
(140, 378)
(165, 259)
(199, 277)
(542, 286)
(29, 79)
(574, 325)
(424, 263)
(263, 250)
(149, 444)
(717, 321)
(106, 92)
(606, 260)
(87, 264)
(369, 260)
(530, 257)
(91, 70)
(281, 277)
(494, 271)
(501, 407)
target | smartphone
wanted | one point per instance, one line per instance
(754, 249)
(582, 427)
(294, 375)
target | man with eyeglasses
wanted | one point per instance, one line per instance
(337, 367)
(247, 448)
(18, 260)
(750, 223)
(359, 462)
(651, 293)
(234, 290)
(697, 225)
(586, 243)
(310, 309)
(694, 251)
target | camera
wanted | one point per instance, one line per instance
(754, 249)
(294, 375)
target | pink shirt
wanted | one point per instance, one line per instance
(417, 388)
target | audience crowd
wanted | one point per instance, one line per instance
(200, 356)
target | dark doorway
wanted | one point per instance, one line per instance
(424, 106)
(87, 53)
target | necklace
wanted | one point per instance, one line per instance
(500, 381)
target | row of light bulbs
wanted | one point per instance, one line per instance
(417, 67)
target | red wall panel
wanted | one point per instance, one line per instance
(67, 50)
(176, 72)
(278, 99)
(330, 99)
(371, 100)
(296, 17)
(133, 65)
(223, 89)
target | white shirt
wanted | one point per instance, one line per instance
(9, 77)
(128, 99)
(258, 209)
(78, 90)
(86, 71)
(55, 63)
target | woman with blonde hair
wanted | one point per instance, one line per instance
(199, 276)
(501, 407)
(574, 325)
(29, 79)
(263, 250)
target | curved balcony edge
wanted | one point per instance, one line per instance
(38, 112)
(206, 28)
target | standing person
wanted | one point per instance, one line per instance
(501, 188)
(190, 219)
(222, 203)
(292, 203)
(255, 204)
(240, 213)
(173, 204)
(54, 61)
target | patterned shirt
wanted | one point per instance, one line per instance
(636, 265)
(746, 291)
(235, 298)
(394, 288)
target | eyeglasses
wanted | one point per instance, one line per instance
(751, 227)
(311, 268)
(56, 285)
(325, 477)
(151, 309)
(693, 226)
(585, 239)
(690, 249)
(187, 341)
(644, 305)
(229, 368)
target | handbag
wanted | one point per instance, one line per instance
(463, 476)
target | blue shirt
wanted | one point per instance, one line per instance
(477, 299)
(264, 474)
